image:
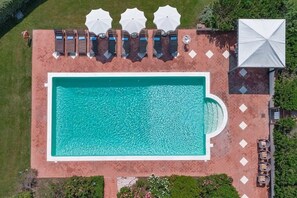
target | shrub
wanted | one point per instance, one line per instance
(291, 38)
(223, 14)
(286, 93)
(159, 186)
(24, 194)
(125, 192)
(285, 125)
(142, 183)
(285, 164)
(9, 7)
(139, 189)
(81, 187)
(75, 187)
(217, 186)
(28, 179)
(183, 186)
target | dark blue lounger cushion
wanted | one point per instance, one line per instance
(93, 38)
(112, 38)
(69, 37)
(143, 39)
(125, 39)
(81, 38)
(59, 37)
(156, 38)
(174, 38)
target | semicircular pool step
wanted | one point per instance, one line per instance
(213, 115)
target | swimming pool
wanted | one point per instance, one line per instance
(131, 116)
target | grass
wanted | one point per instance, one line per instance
(15, 68)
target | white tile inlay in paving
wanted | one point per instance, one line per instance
(209, 54)
(243, 161)
(243, 108)
(244, 196)
(226, 54)
(192, 53)
(242, 72)
(243, 143)
(242, 125)
(244, 179)
(243, 90)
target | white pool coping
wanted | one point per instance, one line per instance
(133, 158)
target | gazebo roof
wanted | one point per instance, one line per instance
(261, 43)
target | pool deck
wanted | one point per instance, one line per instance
(226, 153)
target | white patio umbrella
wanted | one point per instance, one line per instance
(133, 20)
(98, 21)
(167, 18)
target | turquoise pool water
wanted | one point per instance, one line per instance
(129, 116)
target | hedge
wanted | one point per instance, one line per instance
(223, 14)
(75, 187)
(8, 8)
(184, 186)
(285, 159)
(286, 93)
(181, 186)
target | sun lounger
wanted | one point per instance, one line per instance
(142, 51)
(173, 42)
(111, 45)
(70, 42)
(59, 42)
(82, 42)
(93, 45)
(158, 44)
(125, 44)
(112, 42)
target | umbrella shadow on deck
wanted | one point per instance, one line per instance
(134, 49)
(165, 49)
(161, 46)
(103, 54)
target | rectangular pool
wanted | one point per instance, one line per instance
(126, 116)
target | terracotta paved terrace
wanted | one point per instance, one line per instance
(234, 150)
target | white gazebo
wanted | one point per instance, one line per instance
(261, 43)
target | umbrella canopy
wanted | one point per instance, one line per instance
(167, 18)
(261, 42)
(133, 20)
(98, 21)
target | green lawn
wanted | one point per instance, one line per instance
(15, 69)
